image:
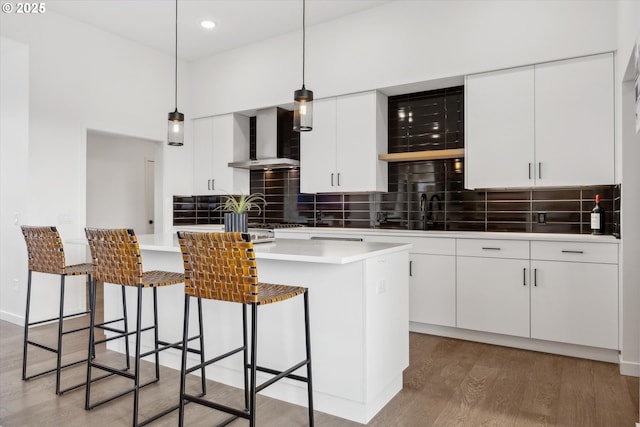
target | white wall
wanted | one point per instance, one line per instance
(401, 42)
(83, 78)
(116, 193)
(14, 168)
(628, 35)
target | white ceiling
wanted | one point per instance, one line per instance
(238, 22)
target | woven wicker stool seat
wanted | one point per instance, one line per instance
(117, 260)
(46, 255)
(222, 266)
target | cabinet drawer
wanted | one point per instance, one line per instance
(606, 253)
(517, 249)
(421, 245)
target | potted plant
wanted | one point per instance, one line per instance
(237, 218)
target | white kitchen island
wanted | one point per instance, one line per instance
(358, 295)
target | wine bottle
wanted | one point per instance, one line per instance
(597, 218)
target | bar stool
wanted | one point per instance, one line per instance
(46, 255)
(222, 266)
(116, 258)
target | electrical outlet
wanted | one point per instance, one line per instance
(381, 286)
(542, 217)
(16, 282)
(65, 218)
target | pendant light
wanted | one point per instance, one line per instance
(303, 98)
(176, 118)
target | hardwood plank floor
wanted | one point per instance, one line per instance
(448, 383)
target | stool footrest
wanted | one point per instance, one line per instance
(83, 328)
(114, 371)
(281, 374)
(214, 360)
(42, 346)
(178, 345)
(224, 408)
(68, 316)
(102, 402)
(157, 416)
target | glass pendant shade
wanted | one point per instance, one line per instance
(303, 110)
(175, 134)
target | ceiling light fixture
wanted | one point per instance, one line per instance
(175, 135)
(303, 98)
(208, 25)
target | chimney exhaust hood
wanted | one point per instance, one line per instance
(267, 138)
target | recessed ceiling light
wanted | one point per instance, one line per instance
(208, 24)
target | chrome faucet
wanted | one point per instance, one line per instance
(423, 210)
(437, 199)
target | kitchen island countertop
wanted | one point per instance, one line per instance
(316, 251)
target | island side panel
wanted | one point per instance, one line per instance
(351, 324)
(386, 327)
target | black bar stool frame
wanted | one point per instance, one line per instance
(198, 248)
(46, 255)
(116, 257)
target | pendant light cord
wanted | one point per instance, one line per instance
(176, 70)
(303, 38)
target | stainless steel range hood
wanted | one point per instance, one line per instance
(267, 144)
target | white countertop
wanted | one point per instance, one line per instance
(454, 234)
(317, 251)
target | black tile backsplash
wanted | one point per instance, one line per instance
(421, 121)
(448, 205)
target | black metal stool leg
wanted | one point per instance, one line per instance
(254, 351)
(60, 327)
(155, 331)
(246, 356)
(126, 326)
(92, 297)
(202, 358)
(136, 389)
(308, 348)
(26, 328)
(92, 322)
(183, 369)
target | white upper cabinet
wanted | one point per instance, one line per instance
(574, 122)
(340, 154)
(499, 128)
(545, 125)
(216, 142)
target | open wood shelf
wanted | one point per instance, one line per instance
(455, 153)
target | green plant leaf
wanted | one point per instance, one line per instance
(243, 202)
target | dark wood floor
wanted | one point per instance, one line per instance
(449, 383)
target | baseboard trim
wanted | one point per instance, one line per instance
(600, 354)
(631, 369)
(12, 318)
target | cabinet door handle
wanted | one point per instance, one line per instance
(489, 248)
(529, 170)
(539, 170)
(572, 252)
(410, 268)
(213, 184)
(524, 276)
(208, 184)
(338, 179)
(535, 277)
(332, 179)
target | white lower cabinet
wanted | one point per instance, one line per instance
(432, 289)
(561, 292)
(575, 302)
(493, 295)
(432, 278)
